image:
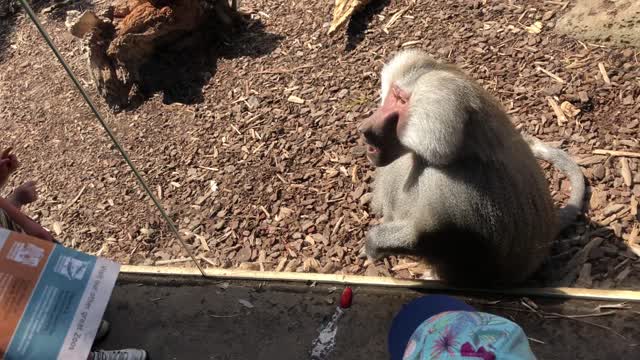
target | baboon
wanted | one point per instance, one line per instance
(456, 183)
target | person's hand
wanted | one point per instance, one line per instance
(24, 194)
(8, 164)
(26, 223)
(34, 229)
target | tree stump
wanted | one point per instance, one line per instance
(342, 11)
(123, 38)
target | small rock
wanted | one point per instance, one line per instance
(253, 102)
(628, 100)
(612, 209)
(366, 198)
(555, 89)
(628, 53)
(306, 225)
(584, 98)
(219, 225)
(599, 172)
(322, 219)
(598, 199)
(246, 303)
(548, 15)
(372, 270)
(319, 238)
(244, 255)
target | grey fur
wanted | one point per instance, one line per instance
(469, 197)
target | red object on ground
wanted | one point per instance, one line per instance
(345, 299)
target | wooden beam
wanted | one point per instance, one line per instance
(237, 274)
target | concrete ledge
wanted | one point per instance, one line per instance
(191, 317)
(236, 274)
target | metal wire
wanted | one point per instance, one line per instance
(106, 127)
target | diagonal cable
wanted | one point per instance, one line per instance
(106, 127)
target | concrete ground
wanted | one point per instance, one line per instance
(203, 319)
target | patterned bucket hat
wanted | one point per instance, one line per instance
(441, 327)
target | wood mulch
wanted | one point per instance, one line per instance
(251, 142)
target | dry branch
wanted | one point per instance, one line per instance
(603, 72)
(616, 153)
(562, 119)
(551, 75)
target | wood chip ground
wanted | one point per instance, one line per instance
(252, 146)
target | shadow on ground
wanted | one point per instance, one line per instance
(581, 247)
(360, 21)
(181, 69)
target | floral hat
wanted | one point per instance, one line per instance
(454, 330)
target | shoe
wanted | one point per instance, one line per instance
(125, 354)
(102, 330)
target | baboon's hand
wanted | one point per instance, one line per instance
(370, 250)
(363, 254)
(384, 239)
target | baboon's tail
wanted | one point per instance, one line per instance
(560, 159)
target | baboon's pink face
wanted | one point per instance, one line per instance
(382, 130)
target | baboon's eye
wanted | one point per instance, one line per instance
(400, 95)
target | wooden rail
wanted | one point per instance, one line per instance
(237, 274)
